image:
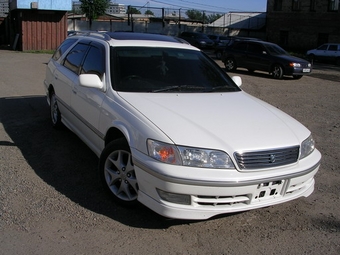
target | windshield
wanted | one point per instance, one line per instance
(275, 50)
(159, 70)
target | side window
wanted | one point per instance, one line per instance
(333, 47)
(255, 48)
(240, 46)
(323, 47)
(74, 58)
(94, 62)
(62, 48)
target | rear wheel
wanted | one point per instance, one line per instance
(277, 71)
(117, 173)
(230, 64)
(54, 110)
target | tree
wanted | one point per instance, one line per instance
(94, 8)
(194, 15)
(133, 10)
(148, 12)
(201, 16)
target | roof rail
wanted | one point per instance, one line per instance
(101, 35)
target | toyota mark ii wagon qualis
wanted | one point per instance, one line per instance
(172, 130)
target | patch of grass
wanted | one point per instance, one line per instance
(39, 51)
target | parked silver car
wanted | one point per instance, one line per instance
(329, 52)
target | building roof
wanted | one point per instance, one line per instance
(241, 20)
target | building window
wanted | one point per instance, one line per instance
(333, 5)
(312, 5)
(296, 5)
(277, 5)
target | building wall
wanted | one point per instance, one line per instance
(303, 24)
(39, 30)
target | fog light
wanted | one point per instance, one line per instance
(174, 198)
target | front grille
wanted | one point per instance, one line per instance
(267, 159)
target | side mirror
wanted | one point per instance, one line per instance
(90, 81)
(237, 80)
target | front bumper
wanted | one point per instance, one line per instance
(219, 196)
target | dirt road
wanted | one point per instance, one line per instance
(52, 203)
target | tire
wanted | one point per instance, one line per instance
(277, 71)
(230, 64)
(218, 54)
(297, 77)
(54, 111)
(117, 173)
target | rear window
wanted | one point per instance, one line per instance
(63, 47)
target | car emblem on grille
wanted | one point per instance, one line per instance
(272, 158)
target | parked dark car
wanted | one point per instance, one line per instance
(264, 56)
(227, 42)
(198, 40)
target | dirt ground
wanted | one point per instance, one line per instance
(52, 203)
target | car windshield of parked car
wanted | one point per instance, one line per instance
(150, 69)
(275, 50)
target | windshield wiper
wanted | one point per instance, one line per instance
(225, 87)
(179, 88)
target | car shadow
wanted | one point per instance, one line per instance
(64, 162)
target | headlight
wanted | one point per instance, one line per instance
(307, 147)
(295, 64)
(187, 156)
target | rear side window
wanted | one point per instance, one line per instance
(333, 47)
(74, 58)
(255, 48)
(62, 48)
(240, 46)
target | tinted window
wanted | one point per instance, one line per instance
(94, 62)
(240, 46)
(143, 69)
(62, 48)
(74, 58)
(255, 48)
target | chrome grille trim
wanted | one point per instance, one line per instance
(267, 159)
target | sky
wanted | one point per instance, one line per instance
(207, 5)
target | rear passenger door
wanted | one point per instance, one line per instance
(257, 58)
(66, 74)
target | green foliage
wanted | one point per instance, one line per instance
(201, 16)
(94, 8)
(148, 12)
(133, 10)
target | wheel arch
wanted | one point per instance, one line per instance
(114, 133)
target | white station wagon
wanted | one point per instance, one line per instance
(172, 130)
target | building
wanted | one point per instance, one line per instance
(4, 8)
(303, 24)
(113, 8)
(39, 25)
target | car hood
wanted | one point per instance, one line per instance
(292, 58)
(227, 121)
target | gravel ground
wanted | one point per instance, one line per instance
(52, 203)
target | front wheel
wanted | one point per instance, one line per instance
(117, 173)
(277, 72)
